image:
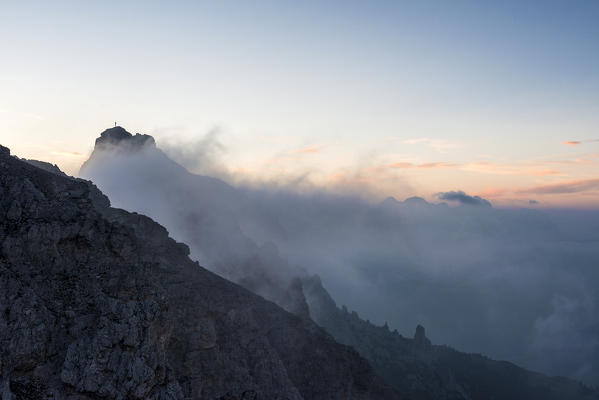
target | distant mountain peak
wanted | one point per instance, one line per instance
(118, 140)
(118, 136)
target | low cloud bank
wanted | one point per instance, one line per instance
(520, 285)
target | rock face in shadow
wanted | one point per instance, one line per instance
(97, 303)
(429, 372)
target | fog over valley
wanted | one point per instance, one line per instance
(517, 284)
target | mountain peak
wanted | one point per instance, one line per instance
(119, 136)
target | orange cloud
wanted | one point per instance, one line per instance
(564, 187)
(433, 165)
(577, 161)
(68, 153)
(480, 166)
(577, 142)
(309, 150)
(294, 155)
(491, 193)
(436, 165)
(438, 145)
(400, 165)
(544, 172)
(518, 169)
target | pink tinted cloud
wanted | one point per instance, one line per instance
(309, 150)
(68, 153)
(517, 169)
(577, 142)
(436, 165)
(438, 145)
(400, 164)
(491, 192)
(577, 186)
(432, 165)
(544, 172)
(480, 166)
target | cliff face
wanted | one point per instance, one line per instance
(96, 302)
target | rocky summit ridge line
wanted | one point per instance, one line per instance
(99, 303)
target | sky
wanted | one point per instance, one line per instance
(497, 99)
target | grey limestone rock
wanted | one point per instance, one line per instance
(99, 303)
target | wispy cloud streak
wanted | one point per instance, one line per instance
(564, 187)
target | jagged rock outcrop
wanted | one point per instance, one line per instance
(99, 303)
(118, 136)
(46, 166)
(429, 372)
(420, 339)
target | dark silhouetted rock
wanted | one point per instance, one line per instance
(428, 372)
(46, 166)
(420, 339)
(99, 303)
(118, 136)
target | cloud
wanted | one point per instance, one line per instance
(517, 168)
(564, 187)
(484, 167)
(578, 142)
(463, 198)
(532, 202)
(68, 153)
(203, 154)
(438, 145)
(587, 159)
(401, 164)
(544, 172)
(309, 150)
(294, 155)
(431, 165)
(436, 165)
(492, 192)
(385, 260)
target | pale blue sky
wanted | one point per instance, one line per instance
(491, 89)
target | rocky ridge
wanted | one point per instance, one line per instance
(97, 302)
(425, 371)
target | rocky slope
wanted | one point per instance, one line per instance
(425, 371)
(96, 302)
